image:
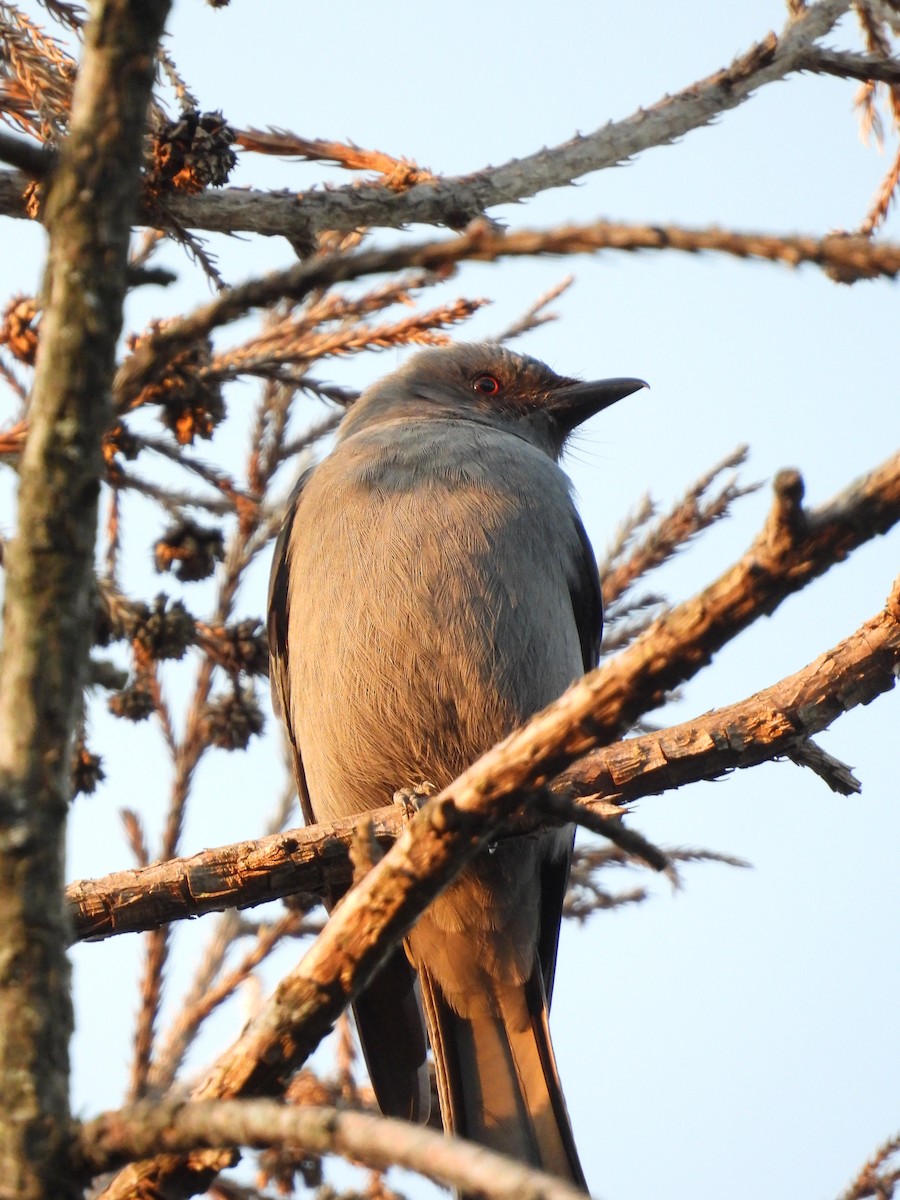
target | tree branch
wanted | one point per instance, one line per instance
(172, 1127)
(795, 546)
(451, 828)
(49, 580)
(36, 161)
(457, 200)
(316, 859)
(846, 258)
(847, 65)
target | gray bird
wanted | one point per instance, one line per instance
(432, 588)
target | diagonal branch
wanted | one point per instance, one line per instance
(766, 726)
(847, 258)
(849, 65)
(457, 200)
(170, 1127)
(795, 546)
(454, 825)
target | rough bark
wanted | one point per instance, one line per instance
(47, 616)
(377, 1142)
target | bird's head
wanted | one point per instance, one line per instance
(488, 384)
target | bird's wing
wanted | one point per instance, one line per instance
(587, 605)
(387, 1013)
(278, 618)
(587, 602)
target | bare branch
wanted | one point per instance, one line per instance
(882, 200)
(847, 65)
(451, 828)
(399, 172)
(171, 1127)
(794, 547)
(536, 314)
(456, 201)
(831, 770)
(692, 513)
(776, 722)
(29, 157)
(592, 863)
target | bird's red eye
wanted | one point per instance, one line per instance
(488, 385)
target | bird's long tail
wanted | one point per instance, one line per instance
(497, 1076)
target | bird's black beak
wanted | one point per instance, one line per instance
(575, 402)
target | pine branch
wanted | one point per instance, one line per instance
(398, 172)
(845, 64)
(878, 1177)
(178, 1127)
(769, 725)
(454, 202)
(795, 546)
(454, 825)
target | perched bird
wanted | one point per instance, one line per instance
(432, 588)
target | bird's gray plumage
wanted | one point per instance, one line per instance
(433, 588)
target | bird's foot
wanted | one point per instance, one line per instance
(413, 798)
